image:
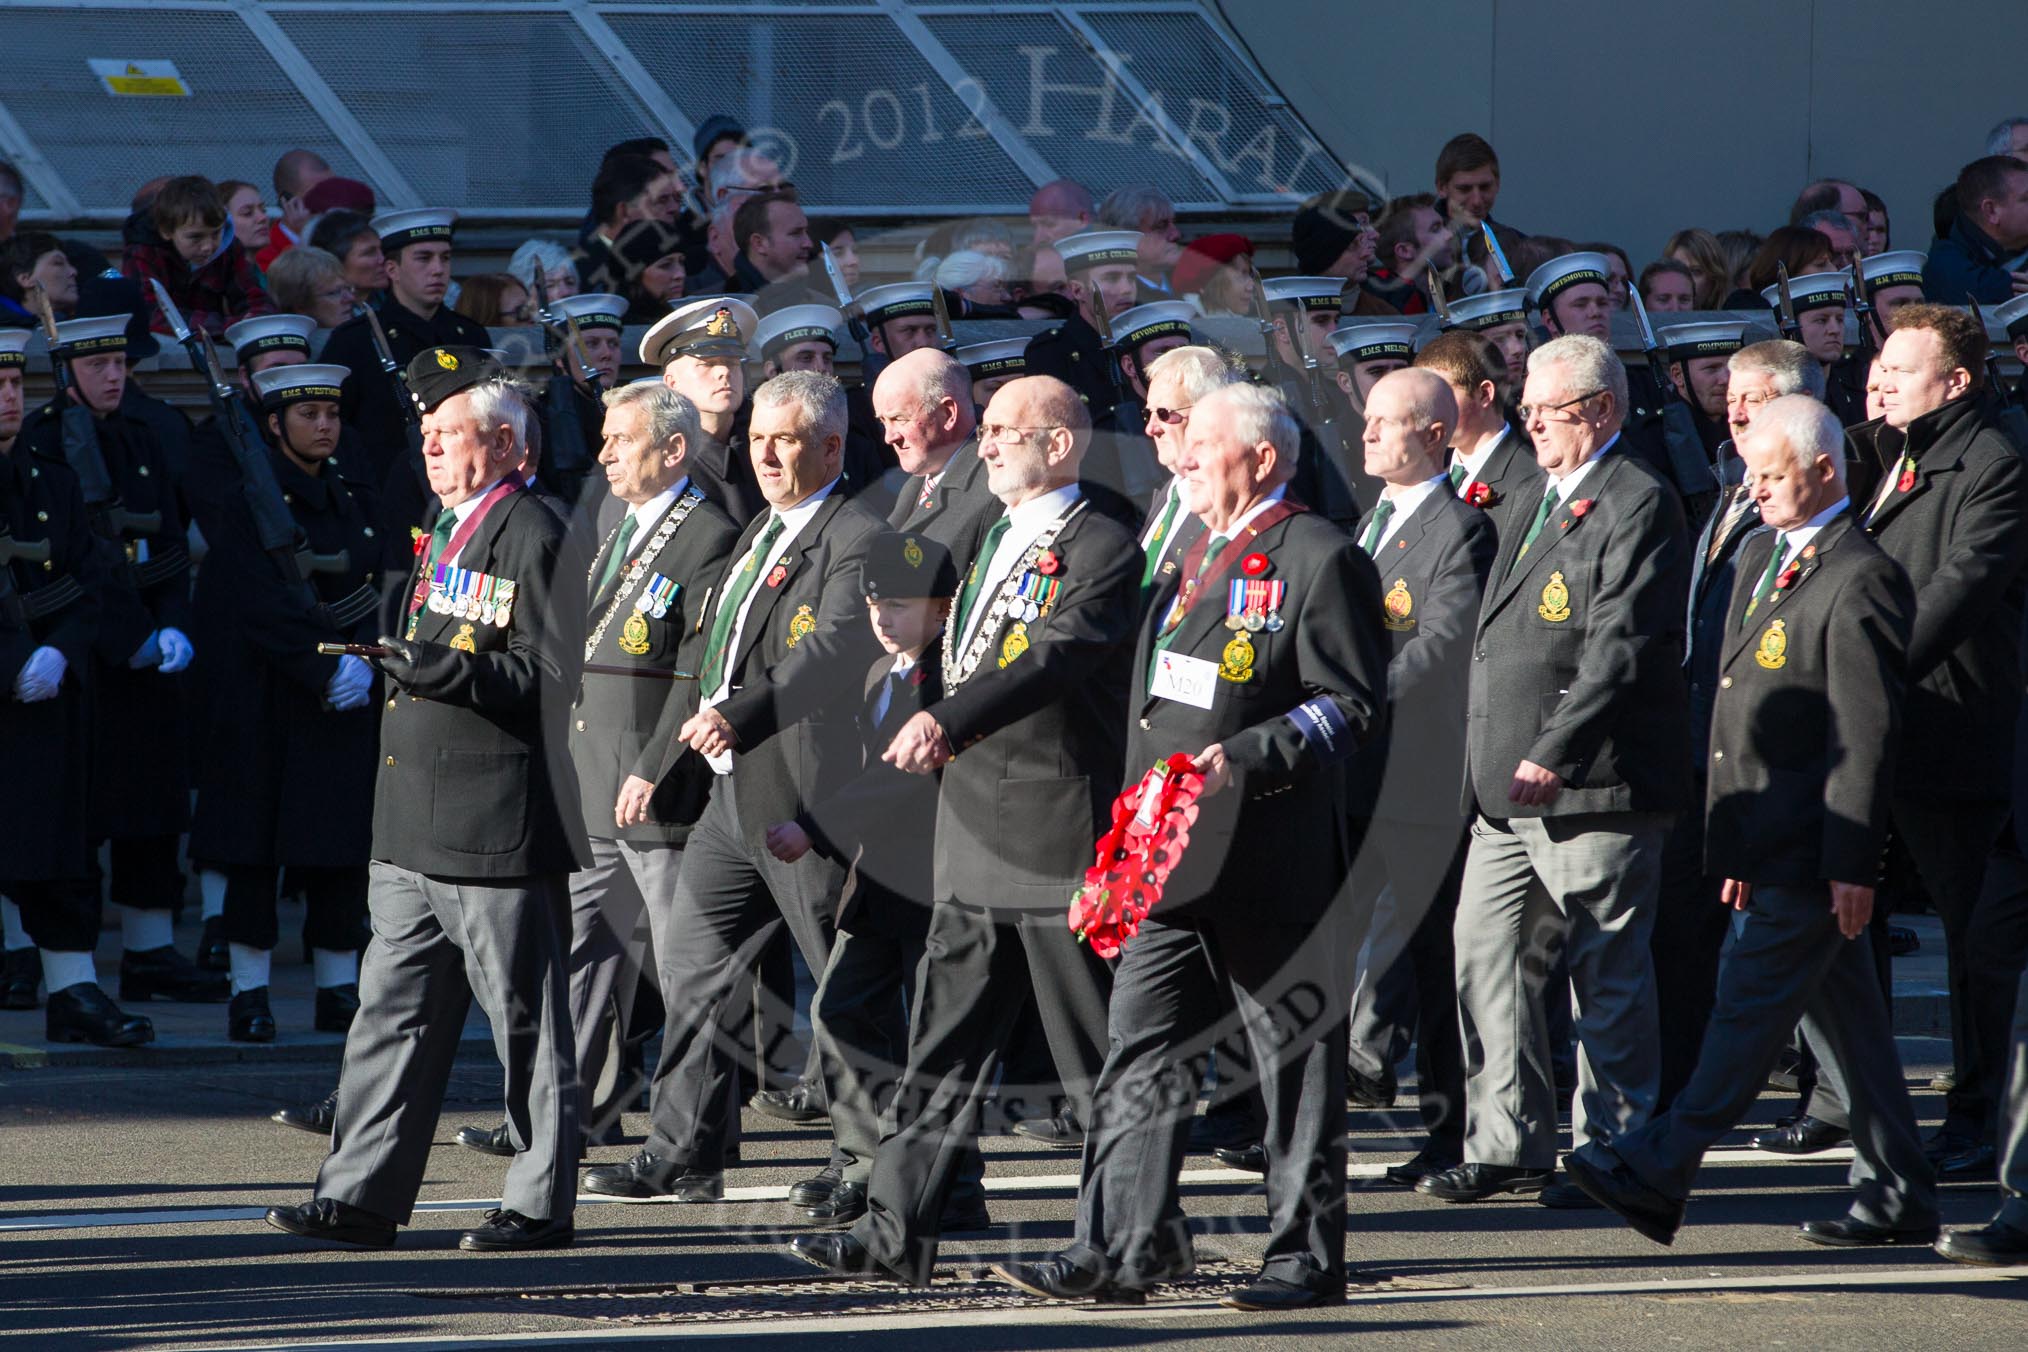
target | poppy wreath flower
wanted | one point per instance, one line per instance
(1135, 857)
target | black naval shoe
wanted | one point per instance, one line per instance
(1058, 1132)
(1606, 1179)
(799, 1103)
(1250, 1159)
(648, 1175)
(1061, 1279)
(1980, 1164)
(335, 1007)
(83, 1013)
(1477, 1182)
(319, 1117)
(1566, 1196)
(486, 1140)
(1996, 1245)
(1849, 1232)
(1420, 1166)
(329, 1219)
(1943, 1143)
(816, 1188)
(1212, 1131)
(248, 1018)
(839, 1254)
(505, 1230)
(1364, 1091)
(20, 975)
(1272, 1293)
(165, 974)
(962, 1217)
(1804, 1136)
(213, 953)
(845, 1204)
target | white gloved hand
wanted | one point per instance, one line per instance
(176, 650)
(149, 654)
(351, 685)
(41, 676)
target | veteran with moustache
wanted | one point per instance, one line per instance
(1804, 736)
(1575, 762)
(1267, 667)
(474, 837)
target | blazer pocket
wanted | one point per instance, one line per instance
(479, 802)
(1045, 829)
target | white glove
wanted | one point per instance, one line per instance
(351, 685)
(149, 654)
(176, 650)
(41, 676)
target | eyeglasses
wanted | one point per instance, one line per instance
(1530, 412)
(1003, 432)
(784, 186)
(1173, 416)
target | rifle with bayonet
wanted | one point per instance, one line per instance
(1333, 494)
(568, 457)
(1870, 336)
(411, 416)
(1498, 257)
(855, 319)
(80, 434)
(947, 338)
(1682, 440)
(1785, 306)
(1103, 322)
(12, 612)
(1437, 300)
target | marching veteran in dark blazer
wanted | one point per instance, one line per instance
(1267, 666)
(474, 836)
(1575, 761)
(1804, 734)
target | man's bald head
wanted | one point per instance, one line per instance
(1409, 417)
(1033, 437)
(924, 402)
(298, 171)
(1060, 208)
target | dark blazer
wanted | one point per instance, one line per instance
(1183, 531)
(1713, 565)
(796, 668)
(474, 781)
(1038, 743)
(1432, 582)
(1515, 480)
(614, 719)
(723, 472)
(370, 401)
(1961, 535)
(1275, 844)
(1578, 661)
(1808, 717)
(961, 507)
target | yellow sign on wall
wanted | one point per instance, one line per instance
(139, 79)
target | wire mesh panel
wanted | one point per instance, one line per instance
(1216, 104)
(1065, 104)
(240, 114)
(478, 109)
(850, 109)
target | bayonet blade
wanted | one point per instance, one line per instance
(839, 290)
(1648, 340)
(1438, 301)
(1790, 325)
(177, 325)
(947, 339)
(1103, 321)
(1498, 255)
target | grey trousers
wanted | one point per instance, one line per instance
(438, 944)
(2014, 1127)
(1585, 885)
(1400, 871)
(1790, 962)
(619, 920)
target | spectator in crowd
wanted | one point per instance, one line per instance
(652, 148)
(1981, 257)
(31, 258)
(1333, 236)
(1532, 252)
(1620, 273)
(1413, 239)
(11, 193)
(496, 300)
(1877, 234)
(2009, 137)
(1828, 194)
(1213, 268)
(351, 239)
(1843, 232)
(1705, 259)
(645, 265)
(248, 216)
(844, 242)
(621, 195)
(1667, 287)
(306, 280)
(773, 241)
(208, 274)
(295, 173)
(743, 170)
(717, 136)
(1740, 246)
(552, 260)
(1467, 186)
(1802, 249)
(1146, 208)
(1060, 208)
(978, 279)
(340, 194)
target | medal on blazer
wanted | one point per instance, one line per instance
(656, 597)
(1235, 664)
(634, 635)
(1015, 644)
(463, 642)
(1398, 607)
(1555, 606)
(1773, 652)
(1254, 604)
(801, 625)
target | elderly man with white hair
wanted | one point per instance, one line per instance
(1804, 735)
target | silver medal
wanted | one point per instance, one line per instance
(644, 603)
(660, 611)
(1274, 622)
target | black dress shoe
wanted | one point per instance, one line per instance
(1364, 1091)
(1848, 1232)
(1902, 941)
(839, 1254)
(82, 1013)
(1477, 1182)
(1567, 1196)
(20, 975)
(1942, 1145)
(799, 1103)
(1212, 1131)
(486, 1140)
(964, 1217)
(647, 1175)
(336, 1006)
(164, 974)
(319, 1117)
(1057, 1132)
(1272, 1293)
(506, 1229)
(213, 953)
(1980, 1164)
(248, 1018)
(328, 1219)
(1061, 1279)
(846, 1204)
(1420, 1166)
(816, 1188)
(1606, 1180)
(1251, 1159)
(1995, 1245)
(1804, 1136)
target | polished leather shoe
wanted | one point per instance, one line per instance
(213, 953)
(1211, 1131)
(248, 1018)
(816, 1188)
(486, 1140)
(1364, 1091)
(1980, 1164)
(506, 1230)
(846, 1204)
(83, 1013)
(1061, 1279)
(798, 1103)
(1806, 1135)
(1848, 1232)
(1942, 1145)
(1477, 1182)
(1420, 1166)
(1057, 1132)
(1251, 1159)
(1995, 1245)
(1272, 1293)
(647, 1175)
(20, 976)
(1944, 1080)
(964, 1217)
(336, 1006)
(165, 974)
(839, 1254)
(319, 1117)
(1606, 1180)
(328, 1219)
(1902, 941)
(1566, 1196)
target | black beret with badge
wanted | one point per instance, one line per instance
(903, 565)
(437, 373)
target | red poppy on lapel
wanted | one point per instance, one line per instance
(1253, 565)
(1787, 577)
(1480, 495)
(1580, 507)
(417, 540)
(1047, 563)
(777, 574)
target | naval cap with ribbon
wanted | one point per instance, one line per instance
(1374, 340)
(1146, 323)
(710, 326)
(251, 338)
(793, 324)
(399, 229)
(1896, 267)
(1811, 291)
(90, 337)
(14, 348)
(1097, 248)
(2014, 314)
(1563, 272)
(997, 357)
(592, 310)
(1487, 310)
(1305, 293)
(1688, 342)
(896, 300)
(279, 386)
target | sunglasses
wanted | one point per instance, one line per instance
(1172, 416)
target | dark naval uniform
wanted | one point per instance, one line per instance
(1074, 353)
(370, 396)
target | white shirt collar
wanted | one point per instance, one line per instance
(1568, 483)
(649, 514)
(794, 518)
(1032, 515)
(1475, 463)
(463, 511)
(1239, 524)
(1801, 535)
